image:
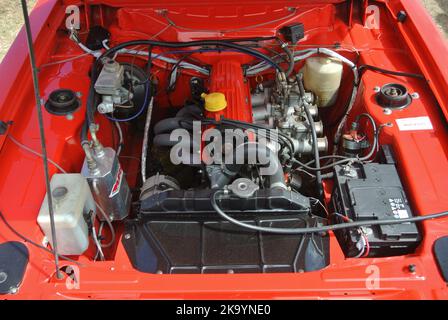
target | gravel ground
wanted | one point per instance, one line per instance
(439, 11)
(11, 19)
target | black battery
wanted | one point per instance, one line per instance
(373, 191)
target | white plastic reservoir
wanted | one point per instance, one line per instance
(322, 76)
(71, 199)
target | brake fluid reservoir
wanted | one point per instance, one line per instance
(71, 200)
(322, 76)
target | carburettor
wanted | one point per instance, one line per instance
(282, 106)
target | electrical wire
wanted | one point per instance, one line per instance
(100, 231)
(308, 230)
(62, 61)
(172, 76)
(344, 218)
(120, 136)
(333, 156)
(110, 226)
(28, 149)
(95, 238)
(363, 248)
(365, 67)
(322, 205)
(367, 245)
(154, 56)
(140, 111)
(319, 186)
(199, 43)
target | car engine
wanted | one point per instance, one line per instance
(243, 166)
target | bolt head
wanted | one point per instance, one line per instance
(13, 290)
(415, 95)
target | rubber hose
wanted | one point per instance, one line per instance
(190, 110)
(169, 124)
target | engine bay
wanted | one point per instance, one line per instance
(235, 155)
(268, 143)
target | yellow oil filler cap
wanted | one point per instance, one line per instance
(215, 101)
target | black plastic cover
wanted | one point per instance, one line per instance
(96, 36)
(441, 253)
(14, 258)
(374, 192)
(201, 244)
(294, 32)
(264, 200)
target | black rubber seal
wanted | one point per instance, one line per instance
(62, 102)
(393, 96)
(14, 257)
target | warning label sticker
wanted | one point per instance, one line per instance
(412, 124)
(398, 208)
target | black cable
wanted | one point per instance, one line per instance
(2, 217)
(364, 67)
(308, 230)
(199, 43)
(174, 69)
(290, 55)
(320, 188)
(148, 67)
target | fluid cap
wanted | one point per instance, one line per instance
(215, 101)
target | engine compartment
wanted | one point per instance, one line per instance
(331, 104)
(248, 140)
(244, 141)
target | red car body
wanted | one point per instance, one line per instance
(413, 45)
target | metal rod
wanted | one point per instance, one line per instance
(42, 134)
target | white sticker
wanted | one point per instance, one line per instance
(398, 208)
(403, 214)
(411, 124)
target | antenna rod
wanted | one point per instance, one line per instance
(42, 134)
